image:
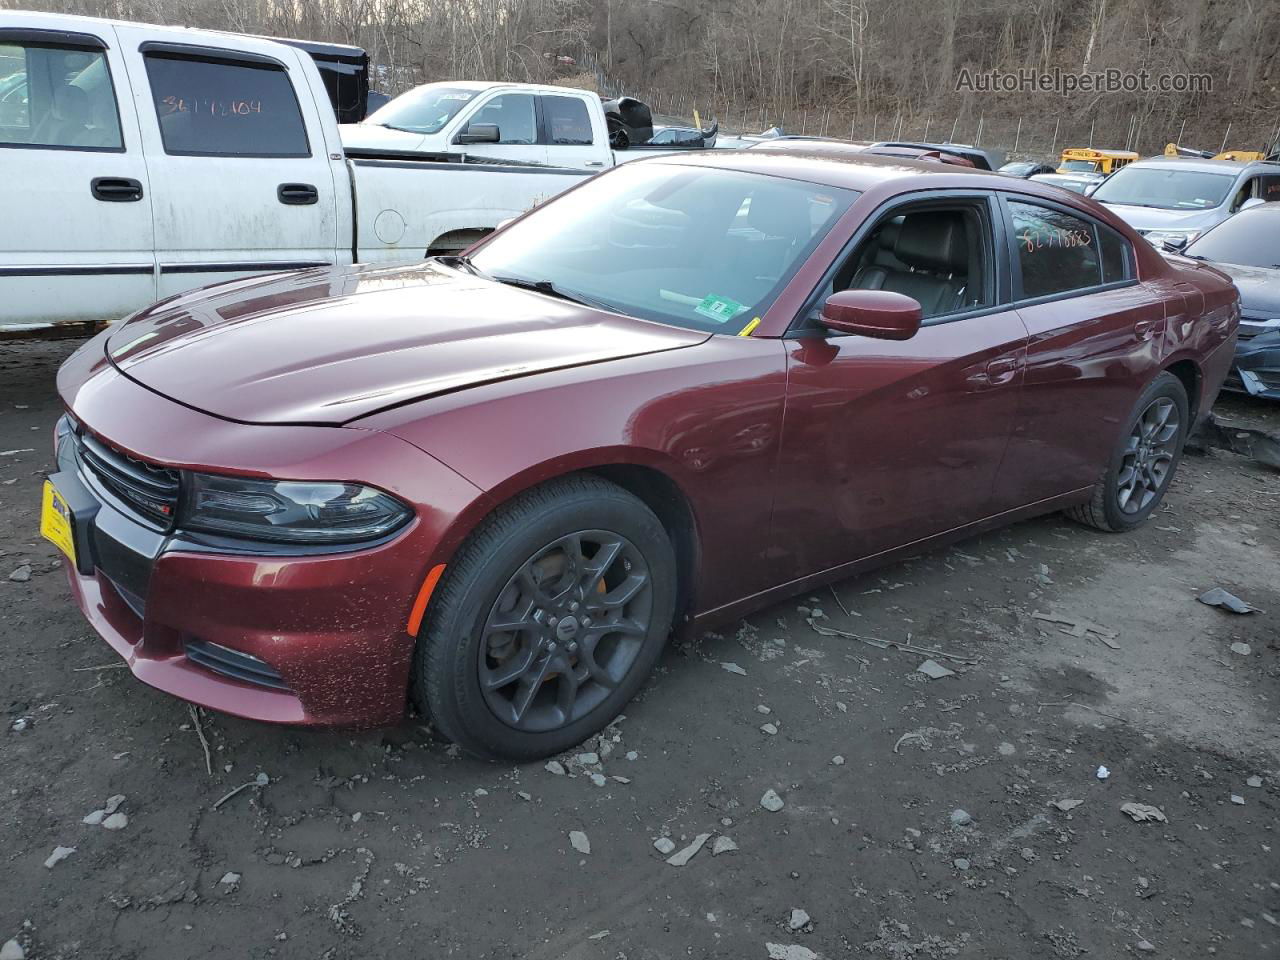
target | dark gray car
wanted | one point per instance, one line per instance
(1247, 247)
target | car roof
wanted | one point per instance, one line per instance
(852, 168)
(1207, 164)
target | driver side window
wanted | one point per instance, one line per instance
(514, 114)
(938, 254)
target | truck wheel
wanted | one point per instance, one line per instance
(1143, 462)
(547, 621)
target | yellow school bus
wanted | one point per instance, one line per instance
(1088, 160)
(1241, 156)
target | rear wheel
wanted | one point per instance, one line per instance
(1144, 460)
(547, 621)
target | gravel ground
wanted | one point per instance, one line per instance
(909, 817)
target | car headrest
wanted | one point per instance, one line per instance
(71, 104)
(888, 236)
(777, 213)
(933, 241)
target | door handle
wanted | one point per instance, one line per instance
(595, 163)
(1142, 328)
(1001, 366)
(115, 189)
(297, 194)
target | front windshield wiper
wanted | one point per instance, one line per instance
(551, 290)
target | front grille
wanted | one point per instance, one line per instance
(234, 664)
(150, 490)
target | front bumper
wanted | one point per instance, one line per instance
(323, 635)
(1256, 369)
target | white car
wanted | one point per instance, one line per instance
(142, 161)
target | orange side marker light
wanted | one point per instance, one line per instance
(424, 596)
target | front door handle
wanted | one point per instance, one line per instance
(115, 189)
(1143, 328)
(1002, 369)
(297, 194)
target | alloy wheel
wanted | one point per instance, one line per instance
(1148, 456)
(565, 630)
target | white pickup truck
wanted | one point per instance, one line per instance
(140, 161)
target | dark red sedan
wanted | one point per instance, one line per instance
(683, 390)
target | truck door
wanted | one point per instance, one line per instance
(516, 117)
(242, 178)
(75, 235)
(571, 138)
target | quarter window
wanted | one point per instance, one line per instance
(1115, 255)
(57, 97)
(222, 109)
(568, 123)
(1057, 252)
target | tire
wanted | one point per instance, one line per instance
(532, 565)
(1127, 493)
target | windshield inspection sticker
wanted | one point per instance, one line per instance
(719, 309)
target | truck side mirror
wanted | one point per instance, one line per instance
(480, 133)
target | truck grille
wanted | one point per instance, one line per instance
(150, 490)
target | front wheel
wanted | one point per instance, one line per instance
(547, 621)
(1144, 461)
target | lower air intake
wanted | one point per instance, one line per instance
(234, 664)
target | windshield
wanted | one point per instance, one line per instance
(701, 248)
(1082, 166)
(1251, 239)
(423, 109)
(1166, 188)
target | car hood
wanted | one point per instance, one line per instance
(329, 346)
(1259, 288)
(1144, 219)
(373, 136)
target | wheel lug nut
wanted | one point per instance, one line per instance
(573, 606)
(552, 621)
(573, 648)
(586, 621)
(551, 647)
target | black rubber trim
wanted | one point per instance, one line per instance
(437, 164)
(264, 267)
(84, 271)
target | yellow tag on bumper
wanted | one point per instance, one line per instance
(55, 522)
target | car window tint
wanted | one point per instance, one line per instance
(1269, 188)
(57, 97)
(514, 114)
(1114, 250)
(568, 123)
(225, 109)
(1057, 252)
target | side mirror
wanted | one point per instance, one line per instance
(1252, 202)
(1173, 244)
(480, 133)
(1091, 188)
(872, 313)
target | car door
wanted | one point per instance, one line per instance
(516, 117)
(1096, 337)
(76, 239)
(886, 443)
(242, 178)
(567, 130)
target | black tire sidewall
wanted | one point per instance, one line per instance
(458, 625)
(1165, 385)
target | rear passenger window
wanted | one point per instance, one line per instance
(568, 123)
(57, 97)
(1269, 189)
(1057, 252)
(222, 109)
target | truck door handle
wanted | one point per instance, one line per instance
(115, 189)
(595, 163)
(297, 194)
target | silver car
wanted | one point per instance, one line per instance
(1172, 200)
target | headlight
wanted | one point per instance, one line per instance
(290, 511)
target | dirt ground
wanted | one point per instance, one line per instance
(392, 845)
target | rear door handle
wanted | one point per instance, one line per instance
(1142, 328)
(1001, 366)
(595, 163)
(115, 189)
(297, 194)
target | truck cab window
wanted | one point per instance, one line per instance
(514, 115)
(57, 97)
(568, 123)
(220, 109)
